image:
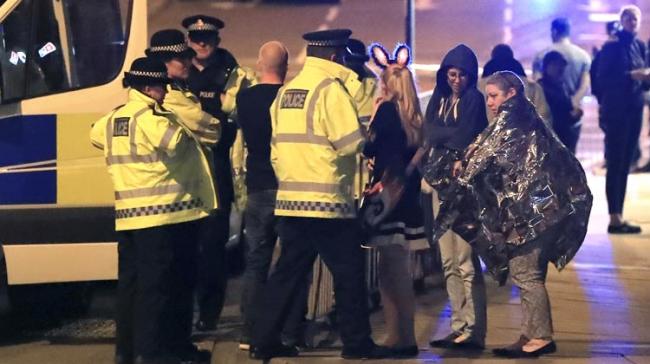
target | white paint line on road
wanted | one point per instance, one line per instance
(425, 5)
(588, 266)
(603, 17)
(223, 6)
(232, 5)
(332, 14)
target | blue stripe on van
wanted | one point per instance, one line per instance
(28, 139)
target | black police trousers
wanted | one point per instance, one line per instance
(621, 141)
(337, 241)
(156, 277)
(213, 276)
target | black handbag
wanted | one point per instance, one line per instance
(377, 203)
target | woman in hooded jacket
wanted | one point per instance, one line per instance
(454, 117)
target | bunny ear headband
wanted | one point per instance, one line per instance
(401, 55)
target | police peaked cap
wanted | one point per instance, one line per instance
(328, 38)
(146, 71)
(202, 23)
(169, 43)
(357, 50)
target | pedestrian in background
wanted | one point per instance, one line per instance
(622, 81)
(454, 117)
(163, 186)
(611, 28)
(503, 59)
(566, 118)
(395, 136)
(576, 76)
(254, 119)
(316, 136)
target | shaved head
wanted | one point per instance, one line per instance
(273, 58)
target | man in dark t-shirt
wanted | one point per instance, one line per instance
(255, 121)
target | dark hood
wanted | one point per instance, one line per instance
(460, 57)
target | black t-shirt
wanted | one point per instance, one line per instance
(255, 121)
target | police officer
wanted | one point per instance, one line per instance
(215, 78)
(365, 98)
(316, 136)
(169, 46)
(163, 186)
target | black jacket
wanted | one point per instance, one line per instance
(617, 91)
(455, 133)
(208, 85)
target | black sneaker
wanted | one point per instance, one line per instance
(367, 352)
(280, 351)
(203, 326)
(445, 342)
(624, 228)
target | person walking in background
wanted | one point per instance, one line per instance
(163, 186)
(566, 118)
(315, 140)
(254, 119)
(622, 80)
(503, 59)
(454, 117)
(395, 136)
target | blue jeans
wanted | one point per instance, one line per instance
(261, 236)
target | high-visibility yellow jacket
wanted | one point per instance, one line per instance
(159, 171)
(316, 137)
(187, 108)
(365, 97)
(240, 78)
(365, 101)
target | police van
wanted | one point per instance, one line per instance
(61, 65)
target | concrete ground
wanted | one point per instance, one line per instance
(599, 302)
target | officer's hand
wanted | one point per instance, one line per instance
(371, 164)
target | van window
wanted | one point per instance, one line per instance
(51, 46)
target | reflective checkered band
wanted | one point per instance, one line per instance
(176, 48)
(328, 43)
(158, 209)
(148, 74)
(313, 206)
(199, 25)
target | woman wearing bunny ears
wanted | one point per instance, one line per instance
(454, 117)
(395, 136)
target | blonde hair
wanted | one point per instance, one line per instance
(400, 89)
